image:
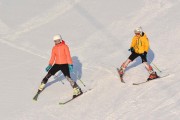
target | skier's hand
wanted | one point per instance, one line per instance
(131, 49)
(48, 68)
(145, 53)
(70, 67)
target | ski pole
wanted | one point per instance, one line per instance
(156, 67)
(56, 76)
(62, 82)
(79, 79)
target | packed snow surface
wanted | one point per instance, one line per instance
(98, 33)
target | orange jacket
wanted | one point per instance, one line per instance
(60, 54)
(140, 44)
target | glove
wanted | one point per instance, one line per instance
(131, 49)
(48, 68)
(145, 53)
(70, 67)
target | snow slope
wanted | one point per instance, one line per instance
(99, 34)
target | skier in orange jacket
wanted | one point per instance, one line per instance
(60, 60)
(139, 47)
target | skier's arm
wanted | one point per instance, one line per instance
(133, 43)
(51, 61)
(146, 45)
(69, 59)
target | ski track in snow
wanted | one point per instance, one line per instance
(21, 48)
(43, 19)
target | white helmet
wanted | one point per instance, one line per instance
(138, 30)
(57, 37)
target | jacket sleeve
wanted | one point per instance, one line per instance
(146, 47)
(51, 61)
(133, 42)
(68, 55)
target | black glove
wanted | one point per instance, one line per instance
(145, 53)
(131, 49)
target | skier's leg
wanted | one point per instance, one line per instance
(44, 81)
(153, 74)
(51, 72)
(72, 83)
(65, 70)
(148, 67)
(41, 87)
(126, 63)
(76, 89)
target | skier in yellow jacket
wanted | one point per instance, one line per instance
(139, 47)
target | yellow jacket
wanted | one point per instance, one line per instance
(140, 43)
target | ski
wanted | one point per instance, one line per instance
(141, 82)
(36, 96)
(62, 103)
(150, 80)
(67, 101)
(120, 75)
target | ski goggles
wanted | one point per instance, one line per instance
(56, 41)
(137, 33)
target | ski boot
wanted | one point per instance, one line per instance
(121, 73)
(77, 92)
(152, 76)
(41, 87)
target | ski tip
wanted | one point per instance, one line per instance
(134, 84)
(122, 81)
(35, 100)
